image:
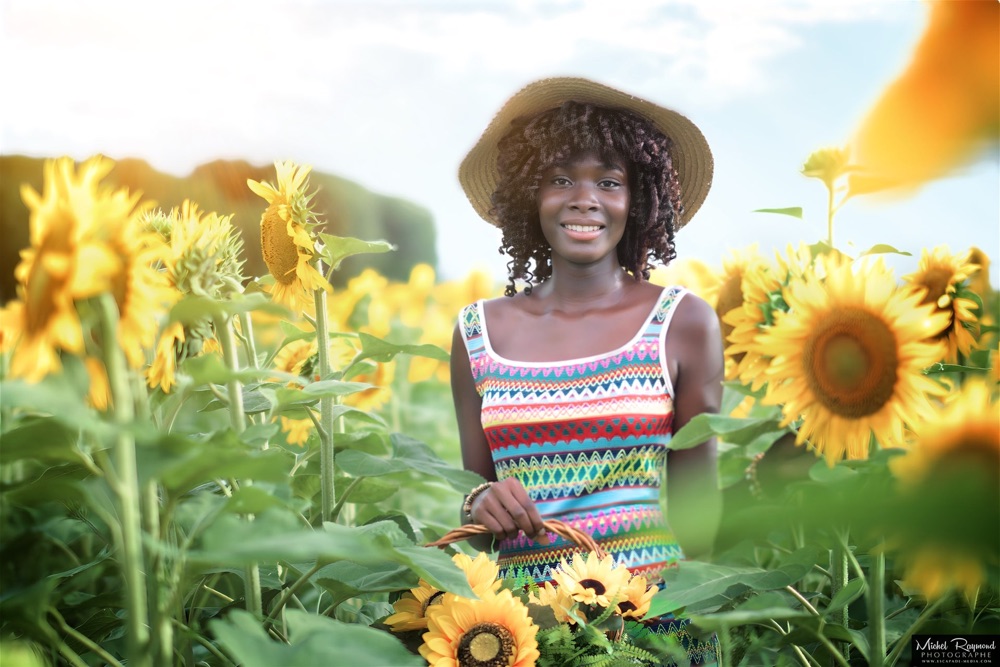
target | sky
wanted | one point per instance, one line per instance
(392, 94)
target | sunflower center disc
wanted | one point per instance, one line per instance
(278, 248)
(486, 645)
(436, 598)
(937, 282)
(850, 363)
(594, 585)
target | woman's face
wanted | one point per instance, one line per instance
(583, 207)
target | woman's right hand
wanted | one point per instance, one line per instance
(505, 509)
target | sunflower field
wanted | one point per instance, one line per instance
(204, 467)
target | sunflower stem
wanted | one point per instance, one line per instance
(227, 340)
(328, 489)
(839, 569)
(250, 347)
(162, 631)
(876, 609)
(290, 592)
(127, 490)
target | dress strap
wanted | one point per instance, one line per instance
(658, 325)
(660, 321)
(470, 319)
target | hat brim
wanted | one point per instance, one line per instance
(690, 154)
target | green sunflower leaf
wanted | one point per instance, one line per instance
(337, 248)
(793, 211)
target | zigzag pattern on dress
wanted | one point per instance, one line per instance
(574, 475)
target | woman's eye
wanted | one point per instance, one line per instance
(608, 183)
(560, 180)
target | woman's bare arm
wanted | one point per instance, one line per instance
(505, 509)
(694, 502)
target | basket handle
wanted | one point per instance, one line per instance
(564, 530)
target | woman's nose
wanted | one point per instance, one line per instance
(583, 198)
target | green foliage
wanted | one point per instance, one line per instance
(312, 640)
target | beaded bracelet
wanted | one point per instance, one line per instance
(467, 505)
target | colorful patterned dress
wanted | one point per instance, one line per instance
(586, 438)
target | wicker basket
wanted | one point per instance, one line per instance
(564, 530)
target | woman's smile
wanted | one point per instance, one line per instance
(583, 231)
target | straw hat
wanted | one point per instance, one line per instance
(691, 156)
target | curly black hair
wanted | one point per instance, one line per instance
(536, 143)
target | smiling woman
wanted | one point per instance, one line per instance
(568, 397)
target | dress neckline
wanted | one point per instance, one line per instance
(488, 346)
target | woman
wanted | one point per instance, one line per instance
(571, 388)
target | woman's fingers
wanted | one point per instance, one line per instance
(505, 509)
(490, 511)
(527, 516)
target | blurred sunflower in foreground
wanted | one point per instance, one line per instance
(86, 240)
(943, 110)
(287, 237)
(847, 358)
(954, 463)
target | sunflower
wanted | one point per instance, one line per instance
(493, 631)
(958, 451)
(202, 259)
(99, 391)
(591, 580)
(411, 608)
(934, 570)
(286, 236)
(162, 372)
(942, 110)
(69, 259)
(368, 307)
(10, 325)
(965, 428)
(737, 267)
(297, 357)
(297, 431)
(691, 273)
(848, 358)
(140, 290)
(481, 572)
(979, 280)
(762, 297)
(939, 278)
(205, 250)
(378, 374)
(636, 597)
(556, 599)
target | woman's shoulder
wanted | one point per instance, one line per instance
(694, 313)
